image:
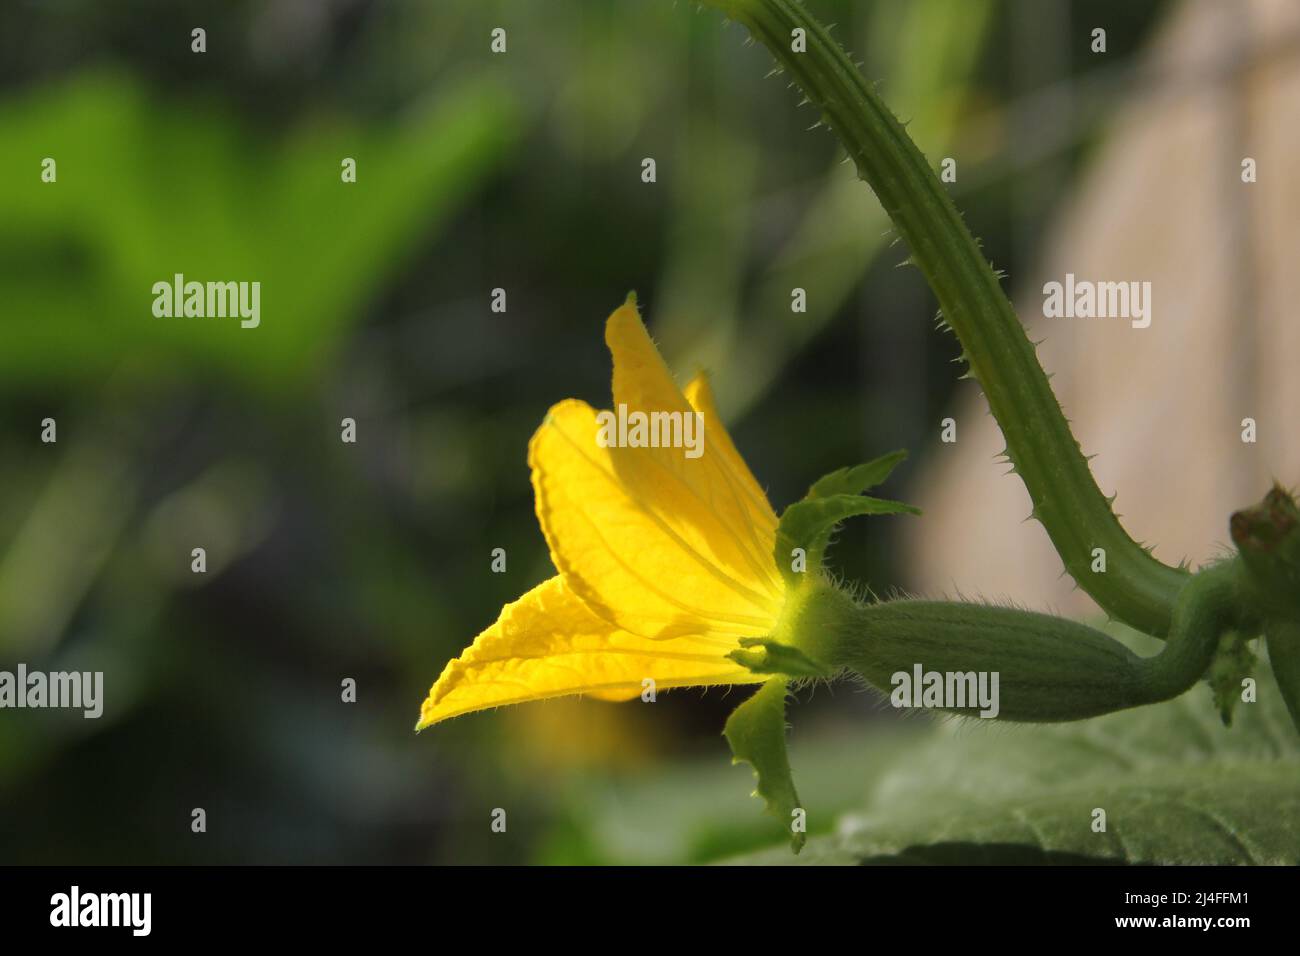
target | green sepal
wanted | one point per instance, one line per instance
(773, 657)
(756, 732)
(808, 524)
(856, 479)
(1233, 662)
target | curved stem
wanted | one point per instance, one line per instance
(1210, 604)
(1136, 589)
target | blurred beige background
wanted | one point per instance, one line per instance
(1161, 408)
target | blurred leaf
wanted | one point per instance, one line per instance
(694, 811)
(1177, 788)
(148, 188)
(59, 549)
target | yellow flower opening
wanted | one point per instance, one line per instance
(665, 560)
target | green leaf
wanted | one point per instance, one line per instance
(756, 732)
(686, 811)
(856, 479)
(808, 524)
(272, 209)
(1176, 786)
(777, 658)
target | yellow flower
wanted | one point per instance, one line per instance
(665, 560)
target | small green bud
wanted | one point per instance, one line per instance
(1268, 537)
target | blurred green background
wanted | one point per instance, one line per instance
(371, 561)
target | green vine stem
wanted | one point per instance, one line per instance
(1283, 638)
(1136, 588)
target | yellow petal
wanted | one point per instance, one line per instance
(700, 395)
(641, 379)
(652, 541)
(549, 644)
(642, 382)
(665, 540)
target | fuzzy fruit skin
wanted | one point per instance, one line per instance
(1050, 669)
